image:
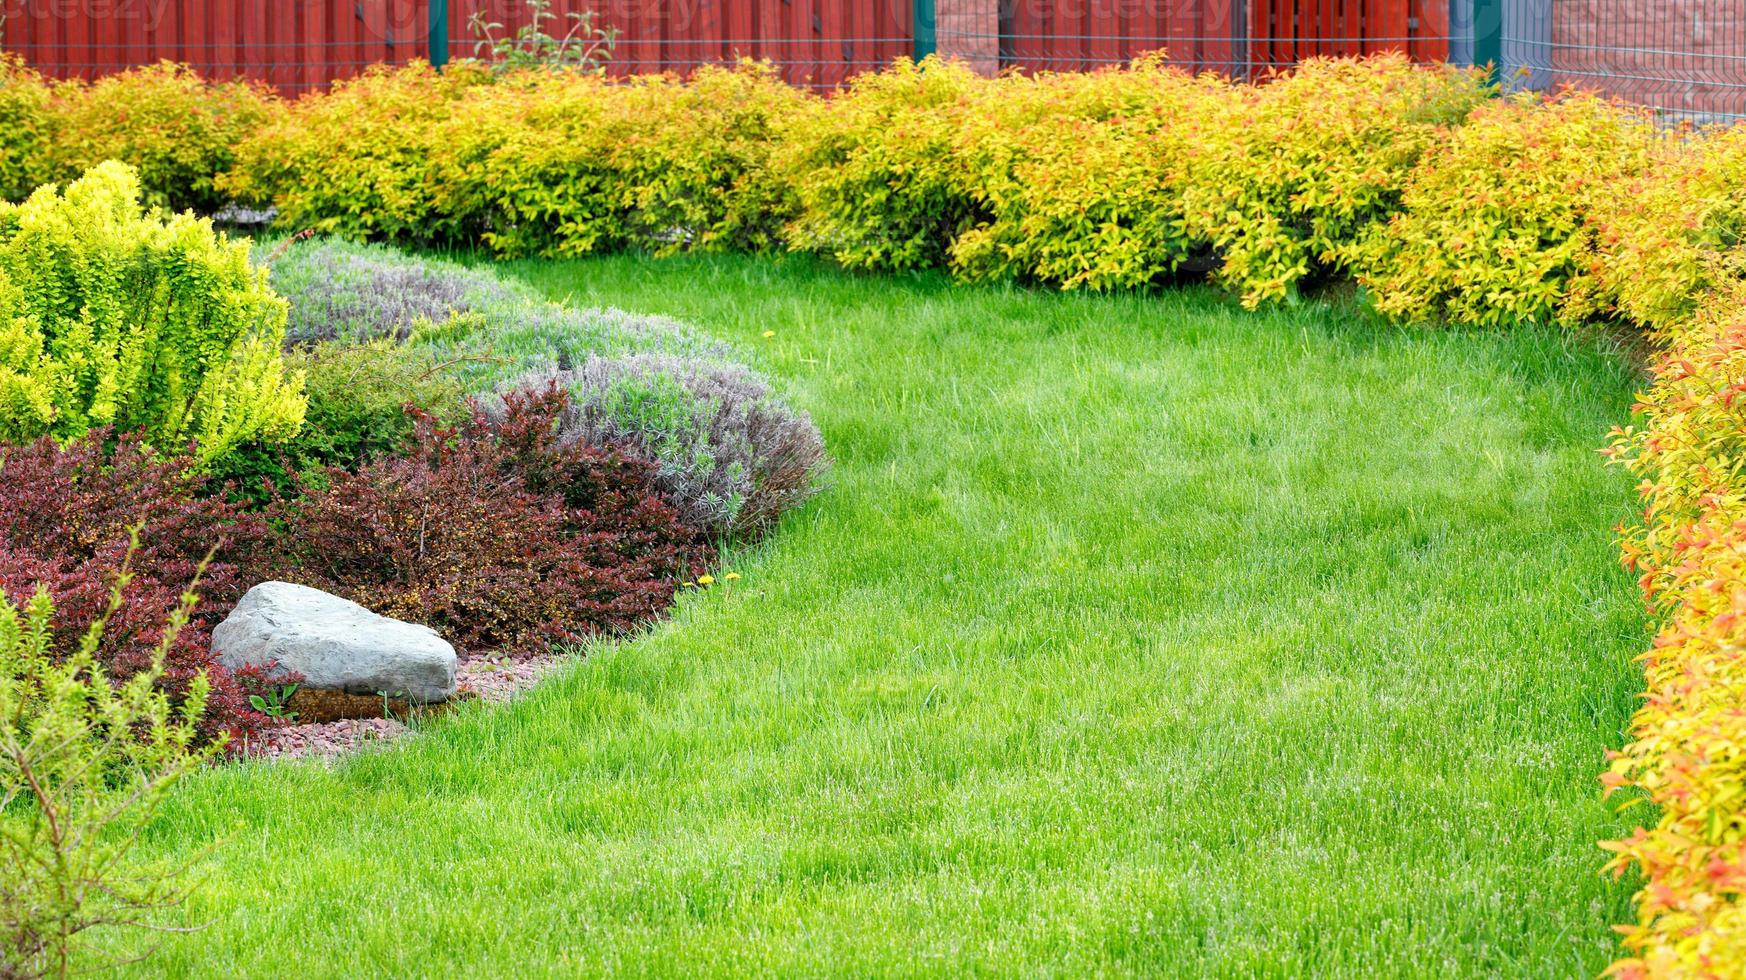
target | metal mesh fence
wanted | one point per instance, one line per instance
(1686, 58)
(1239, 38)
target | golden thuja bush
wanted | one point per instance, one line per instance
(1497, 220)
(111, 316)
(1079, 177)
(1290, 175)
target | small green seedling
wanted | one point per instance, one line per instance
(275, 701)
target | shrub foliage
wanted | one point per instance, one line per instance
(1293, 173)
(1080, 178)
(1497, 222)
(111, 316)
(27, 129)
(85, 760)
(73, 513)
(498, 535)
(179, 131)
(732, 455)
(1689, 737)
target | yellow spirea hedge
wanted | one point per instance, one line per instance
(1290, 175)
(27, 129)
(1496, 224)
(113, 316)
(1688, 753)
(177, 130)
(1078, 180)
(1673, 236)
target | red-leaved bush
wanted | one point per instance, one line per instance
(499, 535)
(67, 524)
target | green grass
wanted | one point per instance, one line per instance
(1137, 635)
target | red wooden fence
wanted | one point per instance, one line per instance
(815, 42)
(1079, 35)
(1236, 37)
(294, 46)
(298, 45)
(1287, 31)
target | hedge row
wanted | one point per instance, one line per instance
(1443, 202)
(179, 131)
(1688, 753)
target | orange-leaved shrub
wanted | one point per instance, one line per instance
(1687, 755)
(1667, 240)
(1497, 220)
(1080, 176)
(178, 130)
(1290, 175)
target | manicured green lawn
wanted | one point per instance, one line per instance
(1138, 635)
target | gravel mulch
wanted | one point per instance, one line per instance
(494, 679)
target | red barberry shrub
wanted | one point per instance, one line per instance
(68, 523)
(498, 534)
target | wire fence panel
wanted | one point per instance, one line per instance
(816, 43)
(1063, 35)
(1240, 38)
(292, 46)
(1686, 58)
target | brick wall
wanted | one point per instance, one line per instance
(969, 30)
(1687, 56)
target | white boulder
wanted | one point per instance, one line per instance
(335, 644)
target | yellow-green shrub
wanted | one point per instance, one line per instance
(110, 316)
(875, 167)
(27, 128)
(1294, 172)
(355, 161)
(1081, 175)
(1669, 239)
(1496, 226)
(569, 163)
(701, 160)
(530, 160)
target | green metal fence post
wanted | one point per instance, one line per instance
(1488, 35)
(926, 41)
(439, 33)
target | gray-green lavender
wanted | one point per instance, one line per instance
(732, 454)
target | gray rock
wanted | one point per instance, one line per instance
(335, 644)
